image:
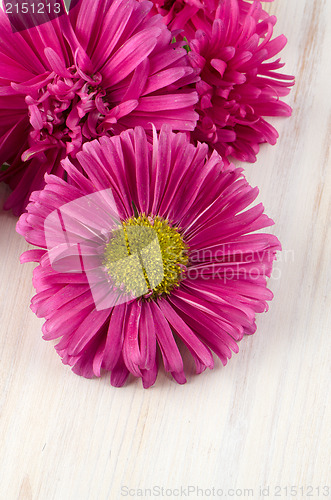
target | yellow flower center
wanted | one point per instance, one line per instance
(146, 256)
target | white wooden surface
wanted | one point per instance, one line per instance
(263, 421)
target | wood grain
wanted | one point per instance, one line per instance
(263, 420)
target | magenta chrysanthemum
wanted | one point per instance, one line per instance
(230, 42)
(184, 14)
(105, 66)
(149, 245)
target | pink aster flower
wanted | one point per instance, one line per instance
(146, 246)
(185, 14)
(103, 67)
(230, 42)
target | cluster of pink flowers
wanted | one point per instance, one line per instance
(119, 120)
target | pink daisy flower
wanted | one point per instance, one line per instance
(230, 42)
(103, 67)
(150, 245)
(185, 14)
